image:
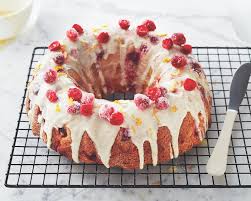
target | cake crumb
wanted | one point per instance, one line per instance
(172, 169)
(204, 142)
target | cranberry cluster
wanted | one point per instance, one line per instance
(109, 113)
(153, 94)
(147, 26)
(177, 39)
(82, 104)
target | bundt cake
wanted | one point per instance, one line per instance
(167, 115)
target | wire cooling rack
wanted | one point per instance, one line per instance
(33, 165)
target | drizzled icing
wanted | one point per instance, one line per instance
(142, 125)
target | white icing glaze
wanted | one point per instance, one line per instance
(143, 125)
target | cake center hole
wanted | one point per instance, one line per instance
(119, 96)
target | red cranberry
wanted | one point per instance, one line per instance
(105, 111)
(186, 49)
(72, 34)
(189, 84)
(142, 101)
(75, 94)
(142, 30)
(50, 76)
(178, 61)
(116, 118)
(78, 28)
(161, 103)
(52, 96)
(150, 25)
(54, 46)
(59, 59)
(103, 37)
(178, 38)
(86, 109)
(153, 93)
(167, 43)
(124, 24)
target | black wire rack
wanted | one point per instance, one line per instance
(32, 165)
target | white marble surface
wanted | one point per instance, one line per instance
(204, 25)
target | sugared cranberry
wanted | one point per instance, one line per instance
(103, 37)
(54, 46)
(142, 30)
(72, 34)
(74, 109)
(86, 109)
(161, 103)
(50, 76)
(167, 43)
(178, 39)
(75, 94)
(150, 25)
(153, 93)
(178, 61)
(189, 84)
(186, 49)
(163, 91)
(143, 48)
(116, 118)
(78, 28)
(142, 101)
(154, 40)
(52, 96)
(124, 24)
(88, 98)
(105, 111)
(59, 59)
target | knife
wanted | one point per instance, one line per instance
(217, 162)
